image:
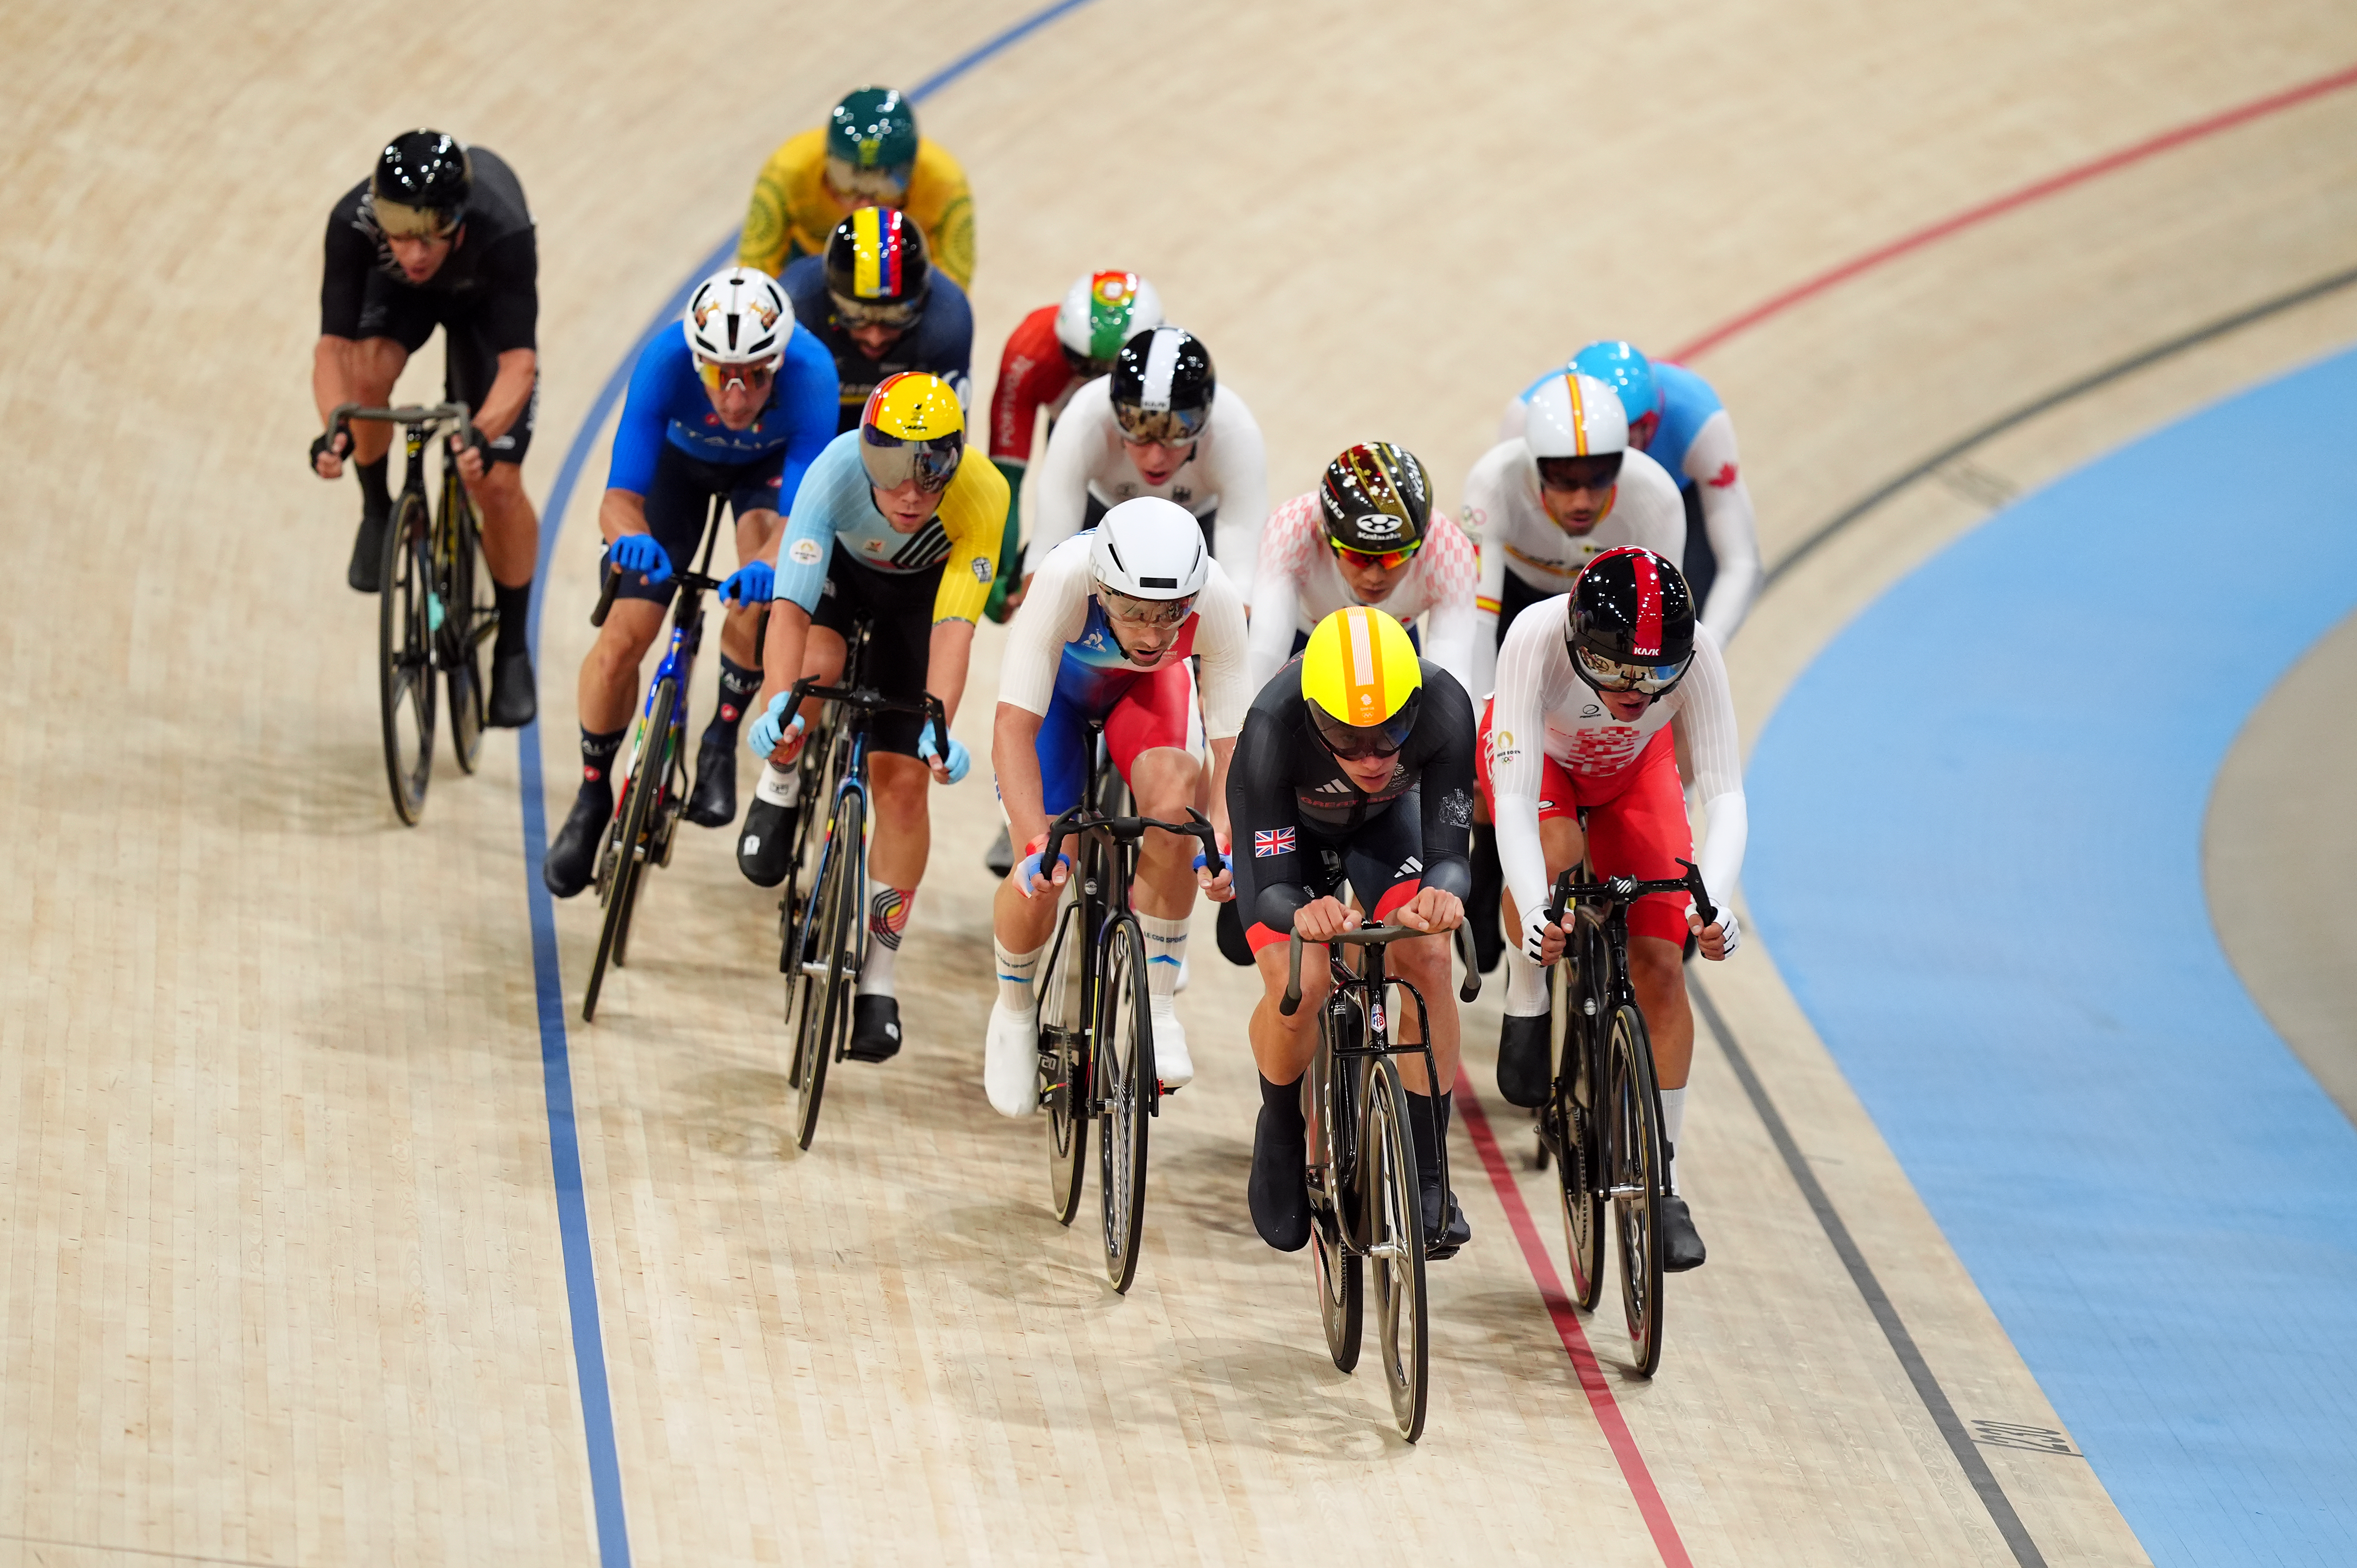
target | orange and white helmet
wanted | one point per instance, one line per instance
(1572, 416)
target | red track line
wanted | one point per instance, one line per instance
(1567, 1327)
(2257, 108)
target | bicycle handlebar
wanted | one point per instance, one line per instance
(1629, 889)
(928, 706)
(1073, 823)
(1362, 936)
(696, 580)
(340, 421)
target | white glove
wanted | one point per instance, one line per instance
(1731, 929)
(1535, 929)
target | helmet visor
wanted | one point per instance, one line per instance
(1135, 611)
(401, 221)
(1607, 675)
(893, 462)
(1355, 743)
(898, 314)
(888, 187)
(1166, 426)
(1579, 473)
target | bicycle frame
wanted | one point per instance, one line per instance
(1604, 903)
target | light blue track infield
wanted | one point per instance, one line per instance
(1977, 848)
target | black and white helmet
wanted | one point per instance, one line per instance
(738, 316)
(1163, 386)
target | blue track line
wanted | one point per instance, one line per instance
(548, 983)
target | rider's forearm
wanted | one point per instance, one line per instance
(782, 654)
(511, 390)
(1521, 854)
(621, 512)
(1727, 824)
(1015, 757)
(946, 661)
(1223, 752)
(331, 380)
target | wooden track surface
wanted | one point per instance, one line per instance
(283, 1282)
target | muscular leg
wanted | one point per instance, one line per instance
(740, 626)
(904, 833)
(1657, 973)
(1165, 781)
(609, 675)
(1424, 962)
(510, 526)
(1282, 1046)
(376, 365)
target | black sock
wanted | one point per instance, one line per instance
(597, 753)
(738, 687)
(1488, 891)
(375, 499)
(515, 605)
(1424, 1122)
(1285, 1099)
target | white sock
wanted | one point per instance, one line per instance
(1525, 986)
(1674, 1121)
(887, 917)
(1015, 973)
(1166, 950)
(779, 786)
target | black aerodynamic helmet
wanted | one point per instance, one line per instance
(1376, 500)
(421, 182)
(877, 272)
(1163, 385)
(1631, 624)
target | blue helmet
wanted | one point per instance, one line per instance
(1623, 368)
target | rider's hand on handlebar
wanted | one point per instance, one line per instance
(1432, 909)
(327, 454)
(947, 770)
(772, 737)
(472, 451)
(754, 583)
(638, 554)
(1715, 941)
(1323, 918)
(1028, 879)
(1542, 939)
(1223, 887)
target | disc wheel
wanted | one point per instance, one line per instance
(1573, 1129)
(1636, 1173)
(1064, 1060)
(822, 1021)
(1342, 1291)
(628, 842)
(1123, 1091)
(472, 620)
(1396, 1248)
(405, 616)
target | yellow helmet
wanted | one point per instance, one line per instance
(1362, 681)
(913, 428)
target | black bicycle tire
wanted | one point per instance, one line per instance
(839, 941)
(621, 892)
(1124, 1095)
(1339, 1273)
(1067, 1101)
(1575, 1129)
(467, 623)
(404, 657)
(1638, 1117)
(1391, 1150)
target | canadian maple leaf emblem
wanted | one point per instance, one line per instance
(1723, 477)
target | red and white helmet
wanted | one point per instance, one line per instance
(1103, 311)
(738, 316)
(1572, 416)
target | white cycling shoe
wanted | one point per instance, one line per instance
(1172, 1065)
(1010, 1060)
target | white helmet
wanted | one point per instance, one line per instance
(1103, 311)
(738, 316)
(1572, 416)
(1149, 548)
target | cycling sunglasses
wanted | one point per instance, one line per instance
(1611, 675)
(718, 377)
(892, 462)
(1579, 473)
(1136, 611)
(888, 187)
(899, 314)
(1389, 560)
(1164, 427)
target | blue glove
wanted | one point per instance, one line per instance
(639, 553)
(960, 759)
(754, 583)
(1030, 868)
(771, 726)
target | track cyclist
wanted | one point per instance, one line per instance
(1677, 419)
(868, 154)
(1159, 424)
(736, 404)
(1047, 358)
(439, 234)
(898, 519)
(1105, 638)
(1576, 761)
(882, 309)
(1355, 761)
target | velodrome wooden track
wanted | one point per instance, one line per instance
(284, 1280)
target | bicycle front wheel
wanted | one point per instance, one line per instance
(1341, 1293)
(829, 974)
(627, 844)
(1064, 1058)
(1394, 1201)
(470, 617)
(1637, 1170)
(1122, 1090)
(406, 613)
(1572, 1127)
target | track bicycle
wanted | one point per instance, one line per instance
(1602, 1118)
(644, 829)
(1366, 1202)
(1096, 1024)
(434, 609)
(822, 924)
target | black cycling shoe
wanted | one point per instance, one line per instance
(1234, 945)
(1280, 1190)
(765, 849)
(1458, 1232)
(573, 858)
(712, 803)
(515, 700)
(367, 550)
(875, 1028)
(1682, 1246)
(1523, 1068)
(1001, 856)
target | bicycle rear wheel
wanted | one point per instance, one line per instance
(1341, 1293)
(1065, 1058)
(471, 615)
(827, 975)
(1395, 1246)
(1572, 1127)
(1123, 1091)
(405, 616)
(626, 850)
(1636, 1173)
